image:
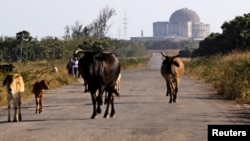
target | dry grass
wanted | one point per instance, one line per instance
(36, 71)
(230, 74)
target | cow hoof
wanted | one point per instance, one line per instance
(105, 116)
(20, 117)
(15, 120)
(112, 116)
(40, 111)
(93, 116)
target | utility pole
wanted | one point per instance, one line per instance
(125, 26)
(119, 33)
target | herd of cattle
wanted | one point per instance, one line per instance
(101, 71)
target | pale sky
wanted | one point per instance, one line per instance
(49, 17)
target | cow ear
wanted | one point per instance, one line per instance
(176, 64)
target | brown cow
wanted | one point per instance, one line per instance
(15, 87)
(172, 70)
(38, 90)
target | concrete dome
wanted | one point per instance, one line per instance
(184, 15)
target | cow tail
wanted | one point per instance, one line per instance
(117, 93)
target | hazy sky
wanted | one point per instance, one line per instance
(49, 17)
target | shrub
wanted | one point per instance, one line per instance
(230, 74)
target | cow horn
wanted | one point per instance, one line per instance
(163, 54)
(79, 51)
(176, 56)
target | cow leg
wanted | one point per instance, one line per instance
(86, 87)
(19, 107)
(175, 91)
(37, 104)
(93, 96)
(167, 93)
(170, 101)
(175, 95)
(167, 88)
(106, 97)
(100, 101)
(9, 106)
(170, 93)
(101, 91)
(174, 98)
(112, 107)
(15, 118)
(108, 103)
(41, 104)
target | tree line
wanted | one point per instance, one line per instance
(23, 47)
(235, 36)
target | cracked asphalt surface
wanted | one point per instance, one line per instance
(142, 112)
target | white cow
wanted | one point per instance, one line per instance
(15, 87)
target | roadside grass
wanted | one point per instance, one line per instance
(230, 74)
(132, 63)
(39, 70)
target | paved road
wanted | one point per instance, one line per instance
(142, 112)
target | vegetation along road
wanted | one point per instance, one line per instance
(142, 112)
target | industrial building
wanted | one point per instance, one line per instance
(184, 24)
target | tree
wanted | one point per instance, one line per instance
(67, 33)
(77, 30)
(235, 36)
(98, 28)
(238, 31)
(51, 48)
(22, 37)
(100, 25)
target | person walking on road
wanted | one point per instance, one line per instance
(75, 67)
(70, 67)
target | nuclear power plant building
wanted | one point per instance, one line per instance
(184, 24)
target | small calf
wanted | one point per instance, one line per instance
(38, 90)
